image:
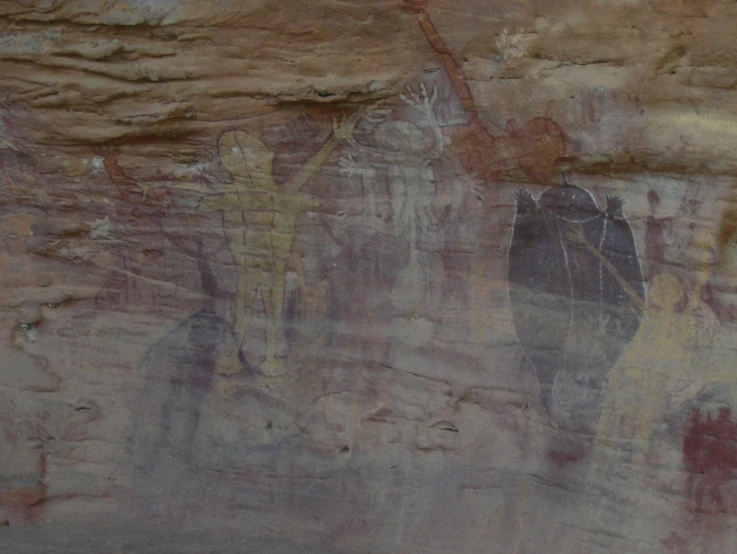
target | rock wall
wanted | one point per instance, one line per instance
(410, 276)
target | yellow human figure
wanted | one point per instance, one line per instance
(636, 382)
(259, 220)
(664, 364)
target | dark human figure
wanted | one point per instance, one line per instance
(577, 295)
(179, 370)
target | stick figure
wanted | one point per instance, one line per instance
(402, 149)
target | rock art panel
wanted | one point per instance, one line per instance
(277, 246)
(675, 355)
(661, 383)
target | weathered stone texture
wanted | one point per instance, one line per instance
(294, 276)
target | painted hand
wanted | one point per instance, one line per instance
(343, 126)
(614, 206)
(524, 199)
(421, 101)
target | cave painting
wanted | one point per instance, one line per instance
(575, 289)
(665, 365)
(135, 205)
(402, 148)
(710, 460)
(259, 223)
(184, 361)
(531, 151)
(259, 219)
(663, 244)
(679, 350)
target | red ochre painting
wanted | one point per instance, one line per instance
(398, 280)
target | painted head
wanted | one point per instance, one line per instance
(569, 202)
(246, 157)
(666, 291)
(653, 198)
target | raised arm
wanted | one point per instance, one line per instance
(309, 168)
(130, 188)
(419, 8)
(350, 167)
(342, 131)
(424, 103)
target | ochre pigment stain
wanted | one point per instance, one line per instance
(710, 459)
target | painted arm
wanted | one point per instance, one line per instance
(419, 8)
(309, 168)
(147, 190)
(127, 187)
(424, 103)
(342, 131)
(704, 240)
(350, 167)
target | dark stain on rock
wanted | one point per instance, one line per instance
(185, 360)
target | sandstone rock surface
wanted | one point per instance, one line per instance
(409, 276)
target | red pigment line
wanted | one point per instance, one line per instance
(451, 66)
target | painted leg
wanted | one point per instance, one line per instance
(275, 316)
(231, 363)
(244, 304)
